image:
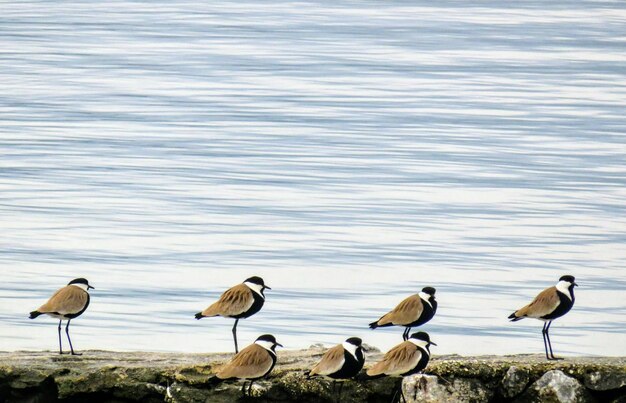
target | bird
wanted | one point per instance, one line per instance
(411, 312)
(342, 361)
(406, 358)
(67, 303)
(253, 362)
(238, 302)
(551, 303)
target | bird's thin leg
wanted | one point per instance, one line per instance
(549, 341)
(393, 399)
(67, 332)
(235, 335)
(545, 343)
(399, 394)
(250, 388)
(340, 390)
(243, 388)
(405, 334)
(60, 342)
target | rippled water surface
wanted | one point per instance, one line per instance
(349, 153)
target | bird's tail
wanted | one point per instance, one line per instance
(376, 324)
(34, 314)
(515, 318)
(199, 315)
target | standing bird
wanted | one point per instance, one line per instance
(412, 311)
(67, 303)
(238, 302)
(343, 361)
(550, 304)
(407, 358)
(253, 362)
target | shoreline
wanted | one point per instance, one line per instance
(109, 376)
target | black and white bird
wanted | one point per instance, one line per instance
(67, 303)
(550, 304)
(344, 361)
(406, 358)
(238, 302)
(253, 362)
(411, 312)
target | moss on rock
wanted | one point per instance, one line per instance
(155, 377)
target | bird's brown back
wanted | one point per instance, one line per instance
(252, 362)
(67, 300)
(331, 362)
(400, 359)
(232, 302)
(543, 304)
(407, 311)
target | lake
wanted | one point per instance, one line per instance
(349, 153)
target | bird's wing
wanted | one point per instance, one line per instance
(543, 304)
(68, 300)
(252, 362)
(406, 312)
(232, 302)
(331, 362)
(400, 359)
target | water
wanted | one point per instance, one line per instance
(349, 153)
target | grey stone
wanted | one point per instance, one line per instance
(556, 387)
(605, 380)
(429, 389)
(514, 381)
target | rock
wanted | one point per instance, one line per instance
(107, 376)
(556, 387)
(427, 388)
(605, 380)
(514, 382)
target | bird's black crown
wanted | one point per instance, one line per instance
(421, 336)
(355, 341)
(79, 281)
(568, 278)
(255, 280)
(429, 290)
(267, 337)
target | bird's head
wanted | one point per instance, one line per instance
(82, 283)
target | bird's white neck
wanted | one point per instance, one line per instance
(563, 287)
(425, 297)
(419, 343)
(83, 287)
(349, 347)
(256, 288)
(266, 345)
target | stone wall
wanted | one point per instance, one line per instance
(100, 376)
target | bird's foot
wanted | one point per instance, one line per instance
(553, 358)
(73, 353)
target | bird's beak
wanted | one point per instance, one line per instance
(269, 288)
(90, 287)
(575, 285)
(279, 345)
(433, 343)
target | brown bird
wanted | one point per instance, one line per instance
(253, 362)
(407, 358)
(67, 303)
(550, 304)
(343, 361)
(238, 302)
(412, 311)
